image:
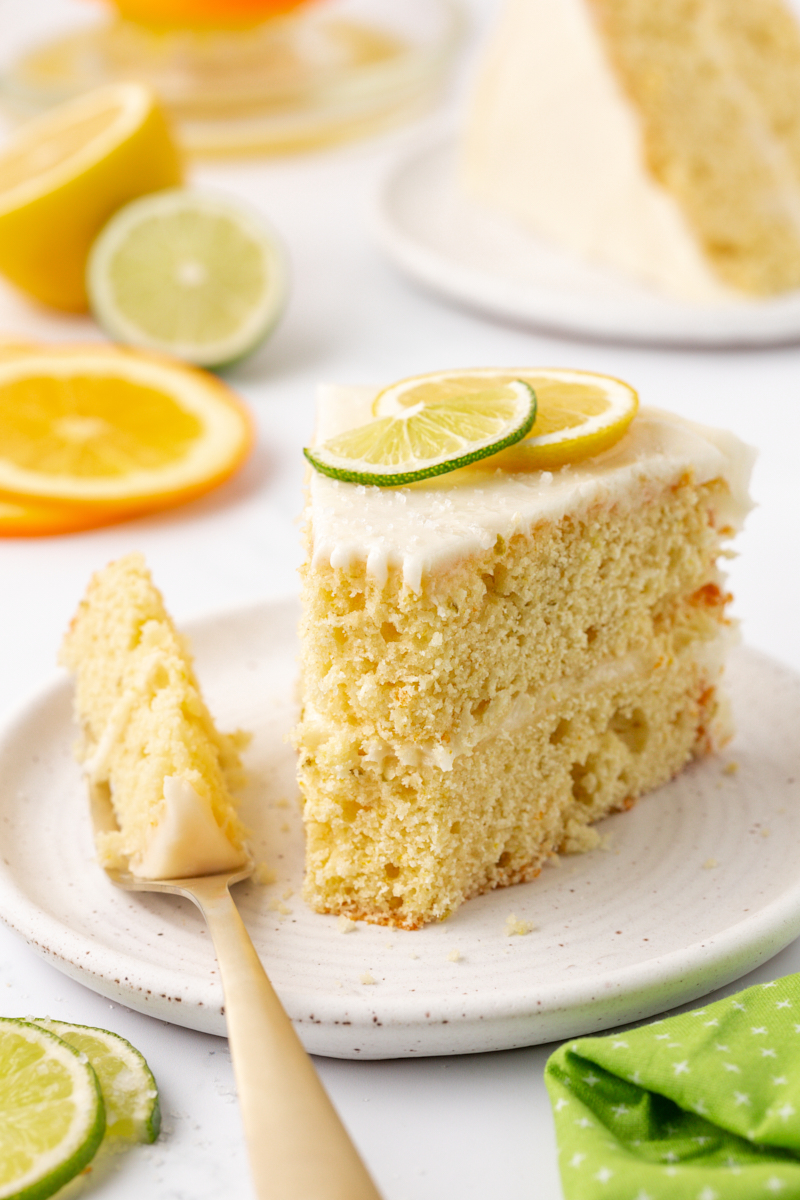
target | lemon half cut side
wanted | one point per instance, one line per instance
(442, 427)
(63, 174)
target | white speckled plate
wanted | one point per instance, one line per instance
(620, 934)
(433, 232)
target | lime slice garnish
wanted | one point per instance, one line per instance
(426, 427)
(129, 1090)
(51, 1111)
(188, 273)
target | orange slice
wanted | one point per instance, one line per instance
(90, 435)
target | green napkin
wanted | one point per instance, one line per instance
(702, 1106)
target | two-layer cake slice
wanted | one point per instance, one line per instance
(492, 661)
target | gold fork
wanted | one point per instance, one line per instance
(298, 1147)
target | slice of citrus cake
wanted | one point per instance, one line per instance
(148, 735)
(661, 137)
(495, 658)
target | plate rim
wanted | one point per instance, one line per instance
(642, 988)
(661, 321)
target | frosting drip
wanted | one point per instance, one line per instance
(424, 528)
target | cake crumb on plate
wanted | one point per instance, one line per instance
(520, 928)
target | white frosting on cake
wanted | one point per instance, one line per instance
(187, 840)
(424, 528)
(552, 140)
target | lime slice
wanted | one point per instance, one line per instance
(129, 1090)
(429, 426)
(51, 1112)
(188, 273)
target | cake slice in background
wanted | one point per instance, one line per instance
(493, 660)
(660, 137)
(148, 734)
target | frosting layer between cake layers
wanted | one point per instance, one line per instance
(424, 528)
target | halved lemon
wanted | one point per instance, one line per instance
(101, 433)
(64, 173)
(188, 273)
(580, 414)
(429, 426)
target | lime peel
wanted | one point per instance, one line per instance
(440, 437)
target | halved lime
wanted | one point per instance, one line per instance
(52, 1116)
(429, 426)
(129, 1090)
(189, 273)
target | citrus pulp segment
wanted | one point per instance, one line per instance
(580, 414)
(129, 1089)
(435, 434)
(114, 430)
(65, 172)
(52, 1116)
(188, 273)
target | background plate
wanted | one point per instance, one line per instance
(620, 934)
(437, 235)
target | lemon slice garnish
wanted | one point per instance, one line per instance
(429, 426)
(65, 172)
(580, 414)
(111, 433)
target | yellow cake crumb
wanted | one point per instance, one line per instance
(730, 768)
(454, 956)
(367, 979)
(518, 927)
(709, 864)
(264, 875)
(345, 925)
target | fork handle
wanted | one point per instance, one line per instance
(298, 1147)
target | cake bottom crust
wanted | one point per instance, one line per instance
(401, 846)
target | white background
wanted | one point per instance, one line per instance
(438, 1128)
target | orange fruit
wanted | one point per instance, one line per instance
(95, 434)
(193, 14)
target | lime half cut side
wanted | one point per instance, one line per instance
(52, 1116)
(188, 273)
(129, 1090)
(444, 426)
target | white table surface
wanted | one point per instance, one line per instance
(434, 1128)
